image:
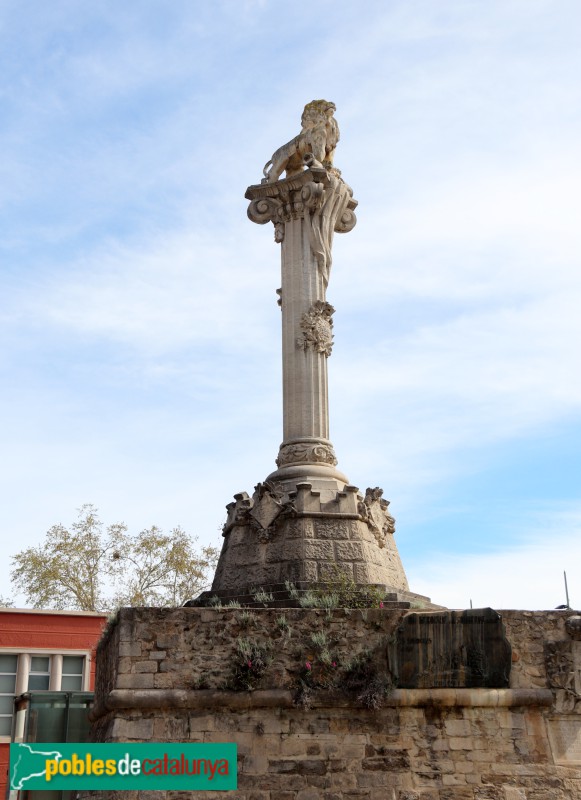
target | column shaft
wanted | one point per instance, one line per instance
(305, 388)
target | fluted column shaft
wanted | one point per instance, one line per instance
(304, 369)
(306, 210)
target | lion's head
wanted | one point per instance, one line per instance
(317, 112)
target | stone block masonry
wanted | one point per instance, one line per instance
(306, 548)
(323, 720)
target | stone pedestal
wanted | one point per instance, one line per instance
(343, 727)
(271, 539)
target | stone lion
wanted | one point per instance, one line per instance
(319, 136)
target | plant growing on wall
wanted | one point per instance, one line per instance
(319, 669)
(362, 679)
(251, 661)
(339, 590)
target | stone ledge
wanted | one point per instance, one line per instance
(205, 699)
(393, 598)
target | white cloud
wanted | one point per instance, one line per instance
(477, 379)
(131, 138)
(526, 575)
(176, 290)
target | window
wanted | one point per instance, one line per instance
(34, 672)
(8, 670)
(39, 674)
(73, 668)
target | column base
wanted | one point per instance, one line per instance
(308, 460)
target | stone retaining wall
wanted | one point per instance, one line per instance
(177, 675)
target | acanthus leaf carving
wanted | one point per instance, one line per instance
(306, 453)
(329, 209)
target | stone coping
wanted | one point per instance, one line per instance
(204, 699)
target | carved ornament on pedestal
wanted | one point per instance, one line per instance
(267, 506)
(373, 510)
(237, 512)
(259, 511)
(563, 665)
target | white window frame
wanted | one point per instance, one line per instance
(4, 738)
(55, 665)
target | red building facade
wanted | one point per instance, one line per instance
(40, 650)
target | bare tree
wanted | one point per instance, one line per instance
(93, 568)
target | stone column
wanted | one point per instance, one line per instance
(306, 521)
(306, 210)
(56, 672)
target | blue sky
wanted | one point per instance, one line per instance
(140, 341)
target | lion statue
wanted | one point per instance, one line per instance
(318, 137)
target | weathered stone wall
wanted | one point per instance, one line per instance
(304, 732)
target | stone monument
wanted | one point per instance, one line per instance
(336, 703)
(306, 521)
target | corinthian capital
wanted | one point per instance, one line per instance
(317, 195)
